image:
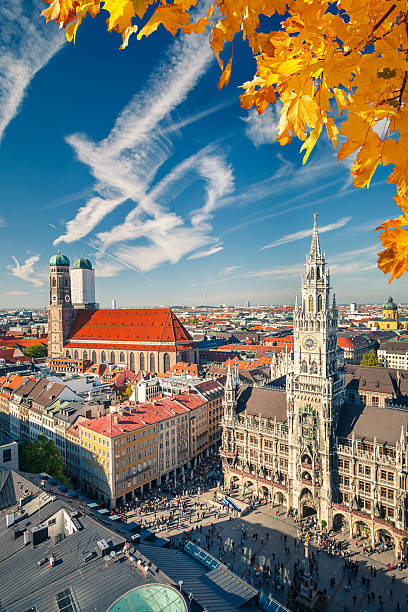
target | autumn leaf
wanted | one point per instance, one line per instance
(350, 61)
(225, 75)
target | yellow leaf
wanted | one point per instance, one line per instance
(311, 141)
(225, 75)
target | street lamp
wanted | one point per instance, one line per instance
(180, 583)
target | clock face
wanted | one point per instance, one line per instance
(54, 298)
(309, 343)
(67, 298)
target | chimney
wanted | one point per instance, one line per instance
(114, 304)
(116, 418)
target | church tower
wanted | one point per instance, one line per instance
(60, 310)
(83, 284)
(315, 389)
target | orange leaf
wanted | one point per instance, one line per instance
(225, 75)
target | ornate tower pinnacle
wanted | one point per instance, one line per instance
(315, 250)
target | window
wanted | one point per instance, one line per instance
(152, 365)
(64, 601)
(112, 357)
(122, 357)
(375, 400)
(132, 362)
(142, 361)
(93, 357)
(166, 361)
(6, 455)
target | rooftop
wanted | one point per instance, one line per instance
(127, 324)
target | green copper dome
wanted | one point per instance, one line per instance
(82, 263)
(390, 305)
(59, 260)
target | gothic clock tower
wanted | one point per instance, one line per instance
(60, 310)
(315, 389)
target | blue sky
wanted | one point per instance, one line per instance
(135, 159)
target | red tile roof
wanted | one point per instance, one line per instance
(116, 424)
(127, 324)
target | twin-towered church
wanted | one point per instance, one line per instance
(147, 339)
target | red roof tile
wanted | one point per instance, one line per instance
(127, 324)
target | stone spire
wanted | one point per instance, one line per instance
(315, 250)
(230, 382)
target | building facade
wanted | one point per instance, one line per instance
(394, 354)
(315, 447)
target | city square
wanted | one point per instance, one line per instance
(263, 546)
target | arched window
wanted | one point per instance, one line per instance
(319, 303)
(75, 354)
(152, 364)
(122, 358)
(303, 367)
(112, 357)
(166, 362)
(103, 356)
(54, 282)
(93, 357)
(85, 355)
(318, 272)
(312, 274)
(311, 303)
(132, 362)
(313, 368)
(183, 356)
(142, 361)
(67, 354)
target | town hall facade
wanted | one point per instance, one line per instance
(315, 446)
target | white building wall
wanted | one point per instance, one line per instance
(82, 286)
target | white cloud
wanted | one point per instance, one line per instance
(26, 270)
(16, 292)
(125, 165)
(263, 129)
(207, 253)
(229, 269)
(307, 232)
(3, 222)
(26, 46)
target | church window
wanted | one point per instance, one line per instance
(311, 303)
(312, 274)
(75, 354)
(112, 357)
(93, 357)
(318, 272)
(303, 367)
(166, 362)
(319, 303)
(85, 355)
(54, 282)
(132, 362)
(313, 368)
(142, 361)
(152, 363)
(122, 357)
(67, 354)
(103, 356)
